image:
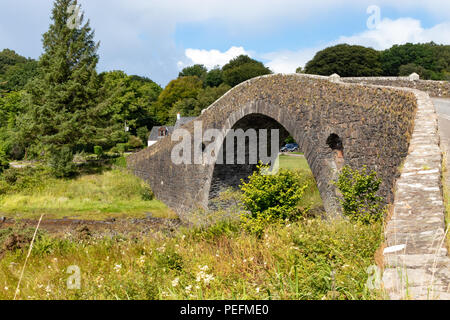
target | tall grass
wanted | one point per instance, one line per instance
(114, 193)
(311, 259)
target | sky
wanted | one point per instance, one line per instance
(157, 38)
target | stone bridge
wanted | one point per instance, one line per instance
(334, 123)
(387, 124)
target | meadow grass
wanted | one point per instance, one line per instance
(109, 194)
(311, 198)
(293, 162)
(309, 259)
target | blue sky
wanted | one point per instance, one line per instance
(156, 38)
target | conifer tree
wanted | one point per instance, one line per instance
(61, 100)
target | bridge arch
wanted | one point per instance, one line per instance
(266, 116)
(332, 122)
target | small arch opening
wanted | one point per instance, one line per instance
(335, 144)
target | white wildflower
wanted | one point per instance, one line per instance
(117, 267)
(175, 282)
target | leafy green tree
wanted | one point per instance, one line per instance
(241, 69)
(347, 61)
(125, 99)
(61, 102)
(9, 58)
(214, 78)
(433, 58)
(11, 108)
(165, 109)
(197, 70)
(17, 76)
(408, 69)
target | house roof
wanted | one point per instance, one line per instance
(183, 120)
(154, 134)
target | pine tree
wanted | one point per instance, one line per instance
(61, 102)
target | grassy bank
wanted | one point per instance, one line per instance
(109, 194)
(311, 198)
(311, 259)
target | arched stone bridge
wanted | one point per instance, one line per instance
(372, 126)
(388, 124)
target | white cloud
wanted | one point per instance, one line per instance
(400, 31)
(288, 61)
(213, 58)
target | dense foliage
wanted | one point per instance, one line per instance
(347, 61)
(271, 198)
(429, 60)
(360, 201)
(241, 69)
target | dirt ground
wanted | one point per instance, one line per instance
(107, 227)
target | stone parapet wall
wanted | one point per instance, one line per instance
(416, 261)
(433, 88)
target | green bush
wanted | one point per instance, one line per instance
(120, 162)
(16, 180)
(135, 142)
(61, 163)
(143, 133)
(359, 198)
(98, 150)
(271, 198)
(122, 147)
(4, 163)
(146, 192)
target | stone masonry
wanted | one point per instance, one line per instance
(373, 123)
(416, 261)
(390, 129)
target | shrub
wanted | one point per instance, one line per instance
(120, 162)
(142, 133)
(98, 150)
(271, 198)
(146, 192)
(61, 163)
(359, 198)
(4, 164)
(135, 142)
(122, 147)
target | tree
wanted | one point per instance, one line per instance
(177, 90)
(433, 59)
(9, 58)
(197, 70)
(61, 103)
(299, 70)
(347, 61)
(214, 78)
(125, 99)
(17, 76)
(407, 69)
(241, 69)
